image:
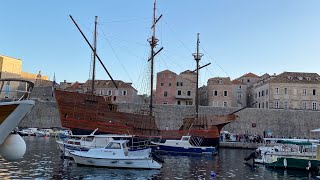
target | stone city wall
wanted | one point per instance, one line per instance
(287, 123)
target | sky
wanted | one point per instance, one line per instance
(236, 37)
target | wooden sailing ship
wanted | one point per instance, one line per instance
(84, 112)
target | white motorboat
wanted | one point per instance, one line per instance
(28, 132)
(185, 145)
(86, 142)
(284, 147)
(14, 106)
(44, 132)
(117, 155)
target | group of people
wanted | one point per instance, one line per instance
(250, 138)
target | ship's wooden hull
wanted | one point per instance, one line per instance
(83, 113)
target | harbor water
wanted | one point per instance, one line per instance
(43, 161)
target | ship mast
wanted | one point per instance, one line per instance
(197, 56)
(94, 54)
(153, 43)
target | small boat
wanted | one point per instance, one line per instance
(44, 132)
(117, 155)
(15, 105)
(283, 147)
(87, 142)
(306, 157)
(186, 144)
(28, 132)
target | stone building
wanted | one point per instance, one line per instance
(220, 92)
(239, 92)
(12, 68)
(166, 87)
(175, 89)
(288, 90)
(249, 79)
(124, 93)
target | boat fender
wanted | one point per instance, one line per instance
(309, 166)
(285, 163)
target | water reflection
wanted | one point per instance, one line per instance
(42, 161)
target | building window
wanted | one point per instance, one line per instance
(314, 92)
(259, 94)
(178, 102)
(165, 103)
(225, 93)
(179, 92)
(225, 104)
(314, 106)
(101, 91)
(285, 90)
(239, 87)
(215, 93)
(165, 94)
(276, 104)
(188, 102)
(248, 80)
(267, 91)
(262, 105)
(308, 78)
(161, 84)
(220, 81)
(178, 83)
(189, 93)
(262, 93)
(169, 84)
(267, 104)
(239, 96)
(285, 105)
(181, 83)
(124, 92)
(304, 105)
(259, 105)
(304, 92)
(109, 93)
(215, 103)
(277, 90)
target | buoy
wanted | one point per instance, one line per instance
(213, 174)
(285, 162)
(13, 148)
(309, 166)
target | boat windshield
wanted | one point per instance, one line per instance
(185, 138)
(113, 145)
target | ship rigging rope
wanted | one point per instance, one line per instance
(117, 57)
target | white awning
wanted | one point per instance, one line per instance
(316, 130)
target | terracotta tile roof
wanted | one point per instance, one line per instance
(189, 72)
(297, 77)
(166, 71)
(250, 74)
(108, 84)
(237, 82)
(215, 80)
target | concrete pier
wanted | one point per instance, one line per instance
(240, 145)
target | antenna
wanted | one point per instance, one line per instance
(153, 43)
